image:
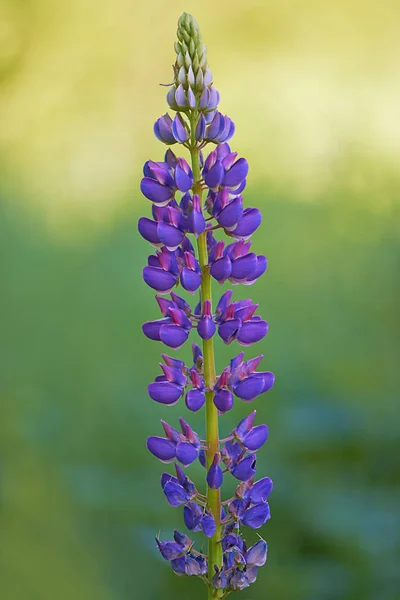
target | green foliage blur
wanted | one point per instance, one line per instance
(314, 90)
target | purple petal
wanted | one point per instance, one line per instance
(161, 448)
(164, 392)
(200, 129)
(245, 425)
(163, 130)
(249, 388)
(261, 490)
(261, 267)
(195, 399)
(169, 235)
(223, 400)
(190, 280)
(229, 330)
(221, 269)
(178, 566)
(183, 181)
(239, 580)
(231, 214)
(175, 494)
(191, 98)
(208, 525)
(215, 175)
(203, 102)
(257, 515)
(252, 332)
(192, 566)
(178, 129)
(256, 437)
(227, 132)
(249, 222)
(148, 230)
(233, 450)
(151, 329)
(214, 98)
(269, 380)
(169, 550)
(180, 97)
(242, 267)
(245, 469)
(173, 335)
(192, 515)
(196, 222)
(251, 573)
(237, 507)
(206, 328)
(202, 458)
(214, 475)
(236, 173)
(216, 126)
(224, 301)
(186, 453)
(158, 279)
(219, 580)
(155, 192)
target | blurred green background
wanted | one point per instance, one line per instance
(314, 89)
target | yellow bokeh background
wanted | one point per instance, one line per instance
(313, 87)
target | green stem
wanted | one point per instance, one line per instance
(212, 435)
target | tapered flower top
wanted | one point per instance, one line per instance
(197, 200)
(192, 87)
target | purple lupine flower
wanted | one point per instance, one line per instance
(219, 580)
(163, 179)
(170, 550)
(206, 326)
(185, 212)
(256, 556)
(214, 475)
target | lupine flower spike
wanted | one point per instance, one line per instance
(190, 201)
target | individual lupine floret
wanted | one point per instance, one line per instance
(162, 271)
(214, 475)
(163, 179)
(168, 228)
(206, 326)
(195, 397)
(223, 398)
(234, 262)
(247, 383)
(171, 223)
(171, 131)
(227, 210)
(176, 548)
(236, 321)
(190, 276)
(220, 130)
(173, 329)
(222, 169)
(178, 490)
(198, 519)
(250, 506)
(256, 556)
(183, 447)
(169, 387)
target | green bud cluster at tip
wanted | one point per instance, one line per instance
(191, 61)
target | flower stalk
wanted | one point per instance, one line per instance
(195, 200)
(212, 434)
